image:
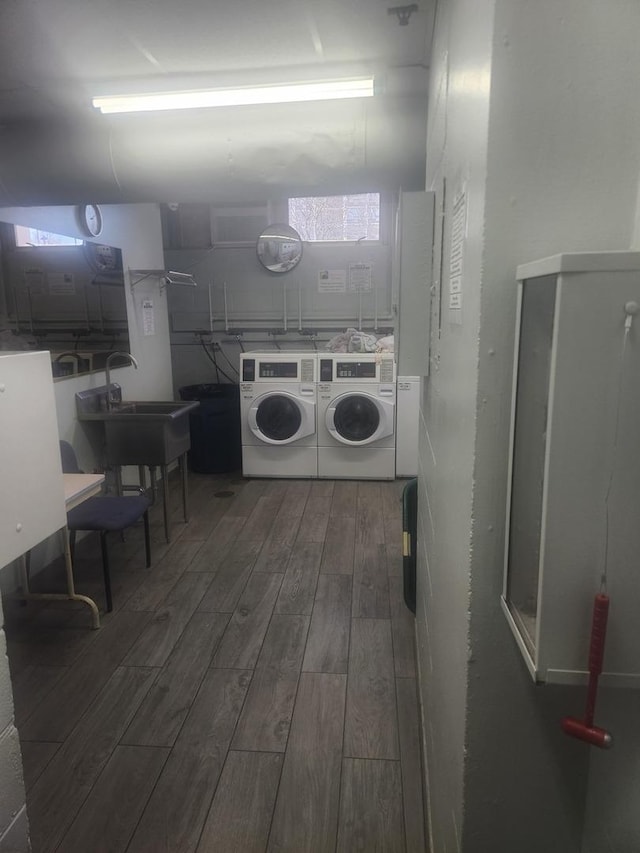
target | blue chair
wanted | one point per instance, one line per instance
(104, 513)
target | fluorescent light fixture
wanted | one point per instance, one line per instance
(325, 90)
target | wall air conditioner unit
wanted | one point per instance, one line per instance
(238, 226)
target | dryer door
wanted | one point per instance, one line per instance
(359, 418)
(281, 418)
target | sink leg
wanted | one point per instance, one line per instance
(185, 490)
(142, 479)
(165, 501)
(118, 480)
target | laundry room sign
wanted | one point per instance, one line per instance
(332, 281)
(360, 277)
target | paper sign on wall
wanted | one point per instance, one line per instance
(458, 233)
(360, 277)
(34, 280)
(148, 318)
(332, 281)
(61, 284)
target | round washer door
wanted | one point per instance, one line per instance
(358, 418)
(281, 418)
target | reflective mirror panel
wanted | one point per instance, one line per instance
(279, 248)
(64, 295)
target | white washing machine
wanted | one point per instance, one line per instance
(278, 413)
(357, 416)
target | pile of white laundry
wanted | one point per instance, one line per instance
(354, 340)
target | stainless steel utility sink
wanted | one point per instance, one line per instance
(141, 432)
(139, 410)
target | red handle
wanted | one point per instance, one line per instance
(596, 652)
(598, 633)
(585, 729)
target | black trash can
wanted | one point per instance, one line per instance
(409, 532)
(216, 443)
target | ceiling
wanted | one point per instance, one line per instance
(56, 54)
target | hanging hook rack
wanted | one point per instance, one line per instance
(403, 13)
(181, 279)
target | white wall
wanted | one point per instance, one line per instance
(456, 152)
(256, 300)
(564, 159)
(556, 169)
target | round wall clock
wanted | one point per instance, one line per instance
(90, 219)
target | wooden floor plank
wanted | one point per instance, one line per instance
(242, 640)
(276, 488)
(371, 807)
(345, 499)
(370, 582)
(243, 701)
(125, 784)
(231, 578)
(328, 644)
(285, 528)
(403, 627)
(369, 516)
(73, 770)
(35, 757)
(175, 814)
(259, 522)
(274, 556)
(411, 765)
(240, 815)
(300, 579)
(165, 627)
(391, 494)
(56, 646)
(266, 715)
(394, 560)
(202, 522)
(315, 519)
(54, 718)
(295, 498)
(371, 727)
(339, 543)
(243, 504)
(161, 715)
(163, 576)
(30, 687)
(322, 489)
(213, 551)
(306, 811)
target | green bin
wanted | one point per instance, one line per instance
(409, 532)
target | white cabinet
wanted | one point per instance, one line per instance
(32, 503)
(573, 509)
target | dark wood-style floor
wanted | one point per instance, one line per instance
(254, 690)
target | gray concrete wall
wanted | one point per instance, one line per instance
(456, 164)
(531, 113)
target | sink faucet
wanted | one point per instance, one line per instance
(107, 371)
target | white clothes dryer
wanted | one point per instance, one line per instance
(357, 416)
(278, 414)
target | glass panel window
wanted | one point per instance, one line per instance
(26, 236)
(336, 218)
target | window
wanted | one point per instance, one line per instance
(26, 236)
(339, 218)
